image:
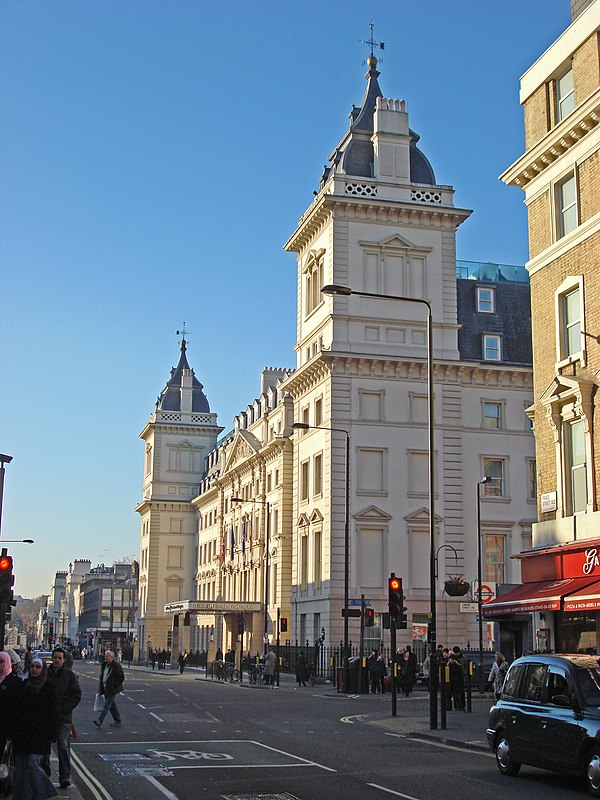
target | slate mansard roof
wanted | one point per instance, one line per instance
(170, 397)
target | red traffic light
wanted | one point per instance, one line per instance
(394, 584)
(5, 563)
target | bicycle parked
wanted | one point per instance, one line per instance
(226, 671)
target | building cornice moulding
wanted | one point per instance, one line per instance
(555, 143)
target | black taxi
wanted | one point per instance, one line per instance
(548, 716)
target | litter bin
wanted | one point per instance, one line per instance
(353, 675)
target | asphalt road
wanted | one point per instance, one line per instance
(184, 738)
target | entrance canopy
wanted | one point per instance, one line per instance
(210, 606)
(538, 596)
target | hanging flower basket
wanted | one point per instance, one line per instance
(456, 587)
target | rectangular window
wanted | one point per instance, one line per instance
(305, 417)
(532, 479)
(269, 479)
(371, 470)
(491, 347)
(494, 557)
(304, 473)
(565, 95)
(571, 323)
(371, 558)
(418, 473)
(492, 416)
(174, 555)
(371, 405)
(577, 466)
(319, 411)
(318, 561)
(313, 284)
(494, 468)
(566, 206)
(318, 474)
(304, 563)
(485, 300)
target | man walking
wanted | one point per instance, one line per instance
(68, 696)
(111, 683)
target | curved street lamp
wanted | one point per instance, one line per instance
(486, 479)
(336, 289)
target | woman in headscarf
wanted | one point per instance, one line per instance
(8, 684)
(32, 737)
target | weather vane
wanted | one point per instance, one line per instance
(183, 333)
(372, 43)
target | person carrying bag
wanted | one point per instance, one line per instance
(110, 684)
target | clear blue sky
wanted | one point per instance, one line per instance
(155, 156)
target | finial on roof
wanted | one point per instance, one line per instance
(183, 333)
(372, 61)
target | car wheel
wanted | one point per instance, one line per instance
(592, 772)
(506, 764)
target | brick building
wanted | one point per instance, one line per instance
(559, 173)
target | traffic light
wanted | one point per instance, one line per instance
(369, 617)
(283, 624)
(7, 578)
(395, 596)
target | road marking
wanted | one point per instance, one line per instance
(443, 745)
(391, 791)
(208, 714)
(283, 753)
(90, 781)
(350, 719)
(152, 714)
(158, 785)
(141, 706)
(175, 693)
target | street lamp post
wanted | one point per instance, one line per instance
(267, 506)
(4, 459)
(478, 484)
(305, 426)
(335, 289)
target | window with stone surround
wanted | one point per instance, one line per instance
(371, 469)
(565, 193)
(492, 415)
(564, 94)
(318, 474)
(495, 469)
(576, 467)
(304, 478)
(495, 556)
(370, 405)
(317, 558)
(569, 321)
(313, 281)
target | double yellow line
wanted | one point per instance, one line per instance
(90, 781)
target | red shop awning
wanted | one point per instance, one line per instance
(586, 599)
(538, 596)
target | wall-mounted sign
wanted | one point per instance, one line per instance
(548, 501)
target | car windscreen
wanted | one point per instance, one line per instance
(589, 682)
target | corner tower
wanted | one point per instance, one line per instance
(181, 431)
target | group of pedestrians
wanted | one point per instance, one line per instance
(36, 708)
(159, 657)
(406, 671)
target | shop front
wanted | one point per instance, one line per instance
(558, 603)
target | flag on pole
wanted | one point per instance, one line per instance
(250, 532)
(223, 544)
(244, 537)
(232, 541)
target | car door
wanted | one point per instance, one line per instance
(524, 726)
(560, 734)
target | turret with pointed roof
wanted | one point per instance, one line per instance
(181, 388)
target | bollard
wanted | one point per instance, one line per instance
(470, 672)
(444, 679)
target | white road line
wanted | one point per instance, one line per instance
(391, 791)
(158, 785)
(152, 714)
(291, 755)
(175, 693)
(141, 706)
(227, 765)
(446, 746)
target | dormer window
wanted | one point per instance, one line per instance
(485, 300)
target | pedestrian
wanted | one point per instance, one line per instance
(36, 702)
(463, 663)
(497, 674)
(153, 658)
(408, 673)
(15, 661)
(381, 672)
(68, 697)
(181, 661)
(27, 660)
(301, 670)
(457, 684)
(373, 670)
(8, 687)
(110, 684)
(269, 671)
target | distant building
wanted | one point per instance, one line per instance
(107, 607)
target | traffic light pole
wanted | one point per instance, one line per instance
(393, 649)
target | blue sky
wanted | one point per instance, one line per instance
(154, 157)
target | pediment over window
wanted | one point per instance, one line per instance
(395, 242)
(568, 390)
(372, 514)
(174, 579)
(245, 445)
(316, 516)
(303, 521)
(312, 257)
(421, 517)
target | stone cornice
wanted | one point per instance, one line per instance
(456, 372)
(308, 376)
(555, 143)
(357, 209)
